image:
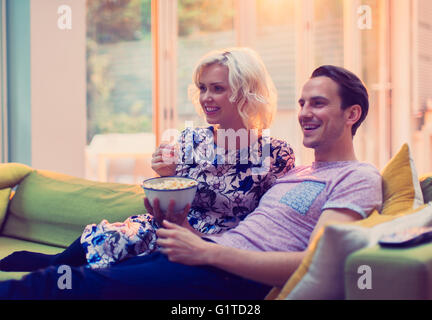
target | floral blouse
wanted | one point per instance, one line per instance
(230, 184)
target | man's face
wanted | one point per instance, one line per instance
(320, 116)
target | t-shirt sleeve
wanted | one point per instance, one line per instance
(359, 190)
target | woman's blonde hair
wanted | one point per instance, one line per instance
(252, 87)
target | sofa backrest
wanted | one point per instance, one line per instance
(54, 208)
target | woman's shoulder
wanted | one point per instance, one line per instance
(282, 156)
(202, 130)
(279, 143)
(276, 145)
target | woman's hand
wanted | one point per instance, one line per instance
(164, 160)
(179, 218)
(183, 246)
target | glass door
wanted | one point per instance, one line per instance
(120, 137)
(203, 25)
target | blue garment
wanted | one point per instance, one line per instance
(151, 277)
(109, 243)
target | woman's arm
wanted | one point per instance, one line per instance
(164, 160)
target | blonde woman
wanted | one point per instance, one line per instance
(233, 161)
(234, 92)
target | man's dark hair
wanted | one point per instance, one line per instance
(351, 89)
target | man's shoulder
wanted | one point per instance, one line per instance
(296, 173)
(360, 174)
(365, 168)
(335, 169)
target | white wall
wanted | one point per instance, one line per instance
(58, 85)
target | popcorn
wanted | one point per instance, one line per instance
(171, 184)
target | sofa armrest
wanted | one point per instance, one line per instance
(389, 273)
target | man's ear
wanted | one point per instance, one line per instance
(353, 113)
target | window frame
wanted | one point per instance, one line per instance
(164, 32)
(3, 89)
(18, 53)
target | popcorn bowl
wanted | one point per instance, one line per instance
(180, 189)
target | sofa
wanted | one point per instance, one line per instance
(345, 260)
(45, 211)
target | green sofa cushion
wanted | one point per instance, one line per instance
(53, 208)
(396, 273)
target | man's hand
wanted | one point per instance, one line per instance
(183, 246)
(175, 217)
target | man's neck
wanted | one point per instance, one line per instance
(337, 153)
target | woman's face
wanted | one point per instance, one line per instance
(215, 92)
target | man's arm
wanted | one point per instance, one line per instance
(334, 215)
(272, 268)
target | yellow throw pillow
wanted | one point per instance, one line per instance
(401, 195)
(12, 173)
(4, 202)
(401, 187)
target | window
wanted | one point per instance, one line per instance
(275, 41)
(292, 36)
(119, 90)
(375, 68)
(328, 32)
(198, 34)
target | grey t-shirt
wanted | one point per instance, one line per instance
(289, 211)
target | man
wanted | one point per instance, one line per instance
(270, 243)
